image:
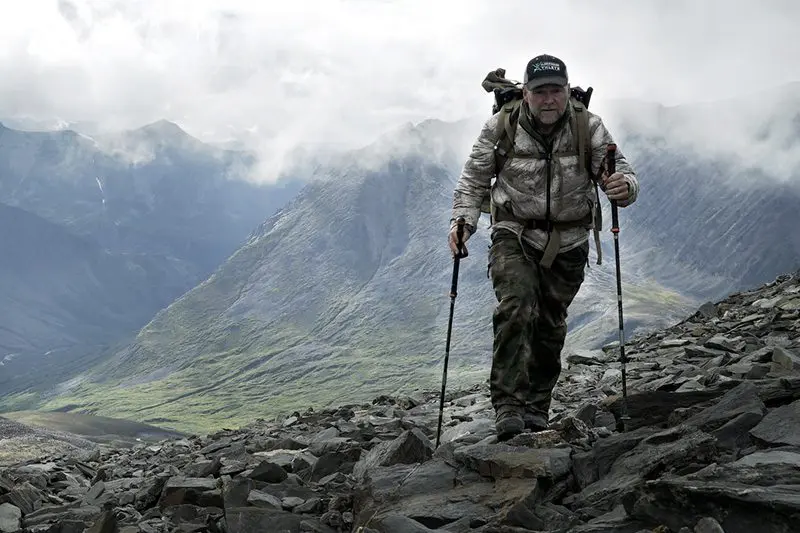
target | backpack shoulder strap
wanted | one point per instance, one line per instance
(584, 140)
(507, 120)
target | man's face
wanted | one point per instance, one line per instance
(547, 102)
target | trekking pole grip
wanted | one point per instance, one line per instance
(460, 223)
(611, 167)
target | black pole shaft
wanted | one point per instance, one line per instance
(611, 154)
(453, 294)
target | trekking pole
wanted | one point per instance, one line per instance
(611, 153)
(453, 291)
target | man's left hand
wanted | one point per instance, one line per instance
(617, 188)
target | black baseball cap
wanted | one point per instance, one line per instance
(545, 70)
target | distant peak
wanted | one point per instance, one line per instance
(164, 127)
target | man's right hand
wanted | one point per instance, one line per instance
(453, 238)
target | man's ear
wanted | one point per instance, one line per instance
(526, 95)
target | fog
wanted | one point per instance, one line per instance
(277, 76)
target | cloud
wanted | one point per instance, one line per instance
(284, 75)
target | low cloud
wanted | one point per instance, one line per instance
(281, 76)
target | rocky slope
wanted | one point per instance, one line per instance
(711, 445)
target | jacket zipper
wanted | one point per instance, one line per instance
(549, 161)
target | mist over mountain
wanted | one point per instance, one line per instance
(155, 189)
(720, 186)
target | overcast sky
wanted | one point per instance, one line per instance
(332, 70)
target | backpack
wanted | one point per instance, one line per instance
(507, 102)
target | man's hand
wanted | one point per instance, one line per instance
(453, 239)
(617, 188)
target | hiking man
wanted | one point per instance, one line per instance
(543, 204)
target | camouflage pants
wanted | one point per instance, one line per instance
(530, 320)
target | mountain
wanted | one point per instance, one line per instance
(343, 293)
(64, 296)
(101, 233)
(60, 288)
(720, 186)
(155, 190)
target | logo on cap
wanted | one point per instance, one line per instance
(546, 66)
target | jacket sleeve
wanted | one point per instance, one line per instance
(601, 138)
(476, 176)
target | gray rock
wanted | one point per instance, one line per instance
(721, 342)
(268, 472)
(398, 523)
(732, 416)
(741, 498)
(784, 360)
(504, 461)
(263, 499)
(260, 519)
(708, 525)
(10, 516)
(410, 447)
(781, 426)
(788, 456)
(669, 450)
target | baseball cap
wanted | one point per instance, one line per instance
(544, 70)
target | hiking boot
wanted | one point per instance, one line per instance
(509, 422)
(535, 422)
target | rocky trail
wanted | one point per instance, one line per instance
(712, 446)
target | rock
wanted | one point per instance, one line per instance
(654, 408)
(263, 499)
(180, 490)
(410, 447)
(742, 498)
(260, 519)
(784, 361)
(732, 416)
(666, 451)
(400, 524)
(268, 472)
(789, 456)
(708, 525)
(10, 516)
(781, 426)
(721, 342)
(106, 523)
(505, 461)
(587, 357)
(616, 520)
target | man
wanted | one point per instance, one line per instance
(536, 267)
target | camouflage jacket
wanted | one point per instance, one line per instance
(522, 181)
